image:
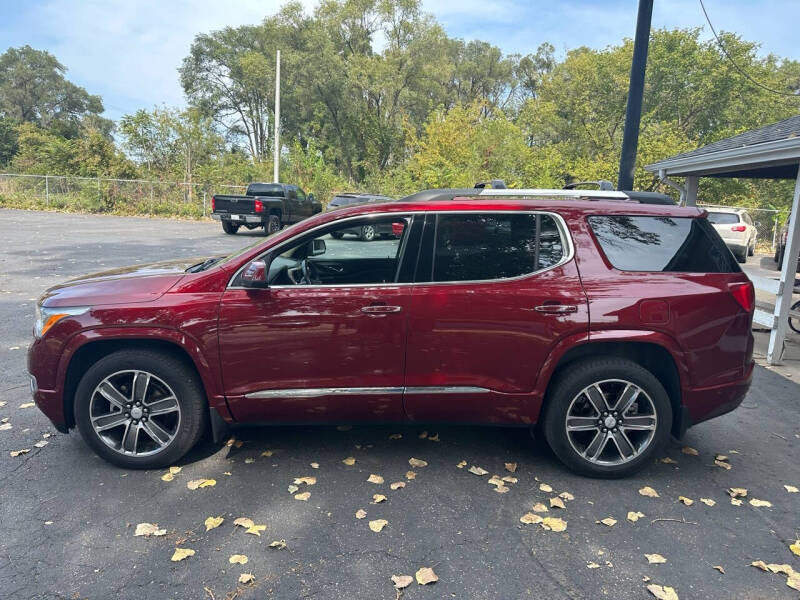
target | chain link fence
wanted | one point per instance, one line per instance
(105, 195)
(766, 221)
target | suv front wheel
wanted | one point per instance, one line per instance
(607, 417)
(140, 409)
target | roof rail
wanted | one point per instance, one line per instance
(602, 184)
(451, 193)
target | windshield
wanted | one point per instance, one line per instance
(723, 218)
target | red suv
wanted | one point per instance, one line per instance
(607, 320)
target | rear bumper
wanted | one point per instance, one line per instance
(241, 219)
(703, 404)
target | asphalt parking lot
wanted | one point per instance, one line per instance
(67, 519)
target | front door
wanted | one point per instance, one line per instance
(326, 340)
(492, 298)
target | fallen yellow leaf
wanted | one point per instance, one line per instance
(201, 483)
(425, 575)
(148, 529)
(306, 480)
(668, 461)
(495, 480)
(378, 498)
(649, 492)
(554, 524)
(592, 565)
(662, 592)
(566, 496)
(655, 559)
(511, 467)
(244, 522)
(791, 489)
(256, 530)
(530, 518)
(719, 568)
(510, 479)
(737, 492)
(375, 478)
(315, 465)
(723, 464)
(15, 453)
(720, 457)
(461, 465)
(685, 500)
(760, 503)
(397, 485)
(213, 522)
(246, 578)
(378, 524)
(292, 488)
(267, 453)
(181, 553)
(634, 516)
(304, 496)
(434, 438)
(545, 488)
(608, 521)
(795, 548)
(423, 435)
(793, 581)
(249, 460)
(27, 405)
(411, 475)
(279, 544)
(736, 502)
(401, 581)
(167, 476)
(395, 436)
(349, 461)
(361, 513)
(417, 463)
(238, 559)
(759, 564)
(501, 489)
(476, 470)
(557, 503)
(707, 501)
(539, 507)
(690, 451)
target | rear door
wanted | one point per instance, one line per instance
(494, 292)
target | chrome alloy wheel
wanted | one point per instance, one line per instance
(611, 422)
(135, 413)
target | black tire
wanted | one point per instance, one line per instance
(568, 386)
(741, 255)
(751, 251)
(795, 323)
(781, 253)
(182, 380)
(273, 224)
(337, 235)
(368, 233)
(229, 227)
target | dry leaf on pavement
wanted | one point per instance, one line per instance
(662, 592)
(791, 489)
(434, 438)
(213, 522)
(461, 465)
(41, 444)
(292, 488)
(759, 564)
(375, 478)
(181, 553)
(279, 544)
(476, 470)
(304, 496)
(530, 519)
(200, 483)
(592, 565)
(267, 453)
(249, 460)
(759, 503)
(501, 489)
(349, 461)
(720, 457)
(723, 464)
(634, 516)
(238, 559)
(668, 461)
(685, 500)
(411, 475)
(539, 507)
(395, 436)
(708, 501)
(361, 513)
(608, 521)
(736, 502)
(719, 568)
(5, 426)
(256, 530)
(148, 529)
(15, 453)
(737, 492)
(690, 451)
(306, 480)
(244, 522)
(27, 405)
(315, 465)
(566, 496)
(655, 559)
(795, 548)
(649, 492)
(401, 581)
(246, 578)
(378, 498)
(417, 463)
(378, 524)
(495, 480)
(554, 524)
(557, 503)
(545, 488)
(511, 467)
(510, 479)
(425, 575)
(397, 485)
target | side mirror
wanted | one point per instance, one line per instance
(316, 247)
(310, 197)
(255, 275)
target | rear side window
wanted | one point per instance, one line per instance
(676, 244)
(270, 190)
(477, 247)
(721, 218)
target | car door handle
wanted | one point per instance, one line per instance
(380, 309)
(556, 309)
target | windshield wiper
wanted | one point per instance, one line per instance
(204, 265)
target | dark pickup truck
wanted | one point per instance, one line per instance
(267, 205)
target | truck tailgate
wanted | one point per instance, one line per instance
(233, 205)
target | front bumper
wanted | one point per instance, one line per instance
(42, 368)
(238, 219)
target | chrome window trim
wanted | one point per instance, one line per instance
(364, 391)
(566, 241)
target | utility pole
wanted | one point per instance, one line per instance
(633, 111)
(277, 151)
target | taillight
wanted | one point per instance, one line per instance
(738, 228)
(259, 206)
(745, 295)
(213, 203)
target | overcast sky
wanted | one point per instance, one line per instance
(128, 51)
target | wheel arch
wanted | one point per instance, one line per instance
(653, 356)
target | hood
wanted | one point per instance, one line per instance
(126, 285)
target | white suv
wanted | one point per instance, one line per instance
(736, 228)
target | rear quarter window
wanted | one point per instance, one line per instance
(666, 244)
(721, 218)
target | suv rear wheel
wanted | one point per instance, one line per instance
(607, 417)
(140, 409)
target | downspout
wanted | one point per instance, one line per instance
(682, 190)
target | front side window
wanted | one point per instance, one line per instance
(478, 247)
(675, 244)
(354, 252)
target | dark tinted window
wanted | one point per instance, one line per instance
(721, 218)
(265, 189)
(474, 247)
(663, 244)
(342, 200)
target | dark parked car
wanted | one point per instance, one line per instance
(606, 320)
(368, 232)
(780, 248)
(267, 205)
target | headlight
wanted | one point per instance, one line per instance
(47, 317)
